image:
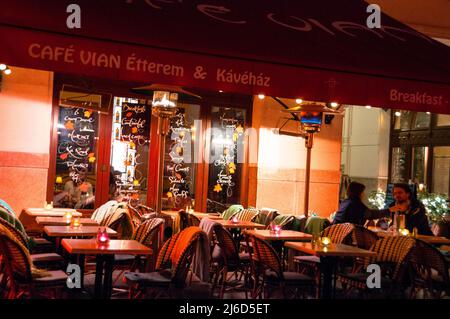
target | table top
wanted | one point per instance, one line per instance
(55, 212)
(283, 235)
(239, 224)
(199, 215)
(68, 231)
(334, 250)
(115, 246)
(61, 221)
(433, 240)
(445, 248)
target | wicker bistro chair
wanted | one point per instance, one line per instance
(338, 233)
(231, 211)
(149, 234)
(248, 214)
(429, 271)
(226, 258)
(172, 266)
(20, 278)
(119, 219)
(392, 256)
(363, 238)
(268, 273)
(46, 260)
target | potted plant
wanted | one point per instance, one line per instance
(437, 211)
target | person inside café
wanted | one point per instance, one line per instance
(353, 210)
(412, 208)
(78, 192)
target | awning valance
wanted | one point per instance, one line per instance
(316, 50)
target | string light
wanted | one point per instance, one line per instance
(368, 107)
(3, 67)
(397, 113)
(261, 96)
(299, 101)
(334, 104)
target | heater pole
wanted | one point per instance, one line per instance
(308, 145)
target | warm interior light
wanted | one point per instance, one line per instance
(326, 241)
(334, 104)
(261, 96)
(299, 101)
(59, 180)
(403, 231)
(220, 91)
(428, 113)
(368, 107)
(3, 67)
(7, 71)
(398, 113)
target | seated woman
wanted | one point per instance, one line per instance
(353, 210)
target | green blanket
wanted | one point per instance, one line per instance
(232, 210)
(14, 222)
(315, 225)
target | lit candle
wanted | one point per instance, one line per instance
(48, 206)
(403, 231)
(68, 216)
(326, 241)
(234, 219)
(102, 237)
(76, 222)
(277, 229)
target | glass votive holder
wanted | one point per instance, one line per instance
(403, 232)
(76, 222)
(325, 241)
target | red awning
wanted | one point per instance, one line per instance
(317, 50)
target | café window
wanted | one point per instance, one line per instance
(130, 140)
(420, 151)
(227, 155)
(441, 169)
(398, 165)
(181, 157)
(76, 151)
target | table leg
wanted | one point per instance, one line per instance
(327, 266)
(107, 279)
(98, 277)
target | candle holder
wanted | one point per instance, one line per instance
(102, 237)
(403, 232)
(68, 216)
(234, 220)
(48, 206)
(325, 241)
(76, 223)
(275, 229)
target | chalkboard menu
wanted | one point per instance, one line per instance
(76, 158)
(77, 130)
(226, 155)
(179, 168)
(129, 159)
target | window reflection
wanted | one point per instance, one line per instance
(398, 169)
(130, 150)
(422, 120)
(419, 165)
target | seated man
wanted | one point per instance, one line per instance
(414, 210)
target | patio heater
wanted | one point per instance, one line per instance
(311, 118)
(164, 106)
